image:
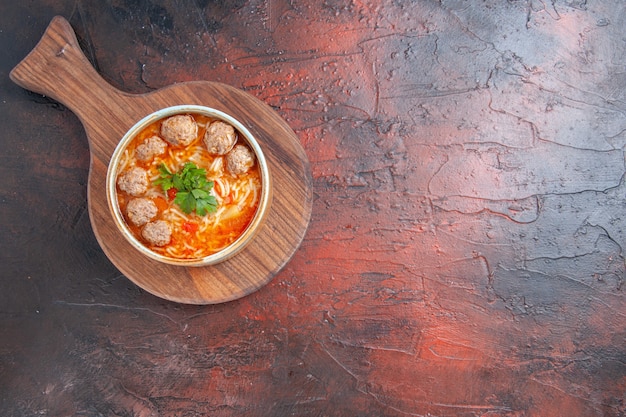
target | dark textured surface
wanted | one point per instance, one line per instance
(465, 254)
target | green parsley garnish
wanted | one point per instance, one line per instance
(191, 186)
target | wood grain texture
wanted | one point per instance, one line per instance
(57, 68)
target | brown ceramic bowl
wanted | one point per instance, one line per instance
(248, 233)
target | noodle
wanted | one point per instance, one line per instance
(194, 236)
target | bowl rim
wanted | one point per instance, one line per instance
(252, 228)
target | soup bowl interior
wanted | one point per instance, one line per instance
(262, 197)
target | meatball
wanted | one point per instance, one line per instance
(157, 233)
(219, 138)
(151, 147)
(133, 181)
(239, 160)
(179, 130)
(141, 210)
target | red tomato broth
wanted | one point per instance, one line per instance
(237, 196)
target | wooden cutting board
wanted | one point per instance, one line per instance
(57, 68)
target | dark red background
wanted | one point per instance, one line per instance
(465, 252)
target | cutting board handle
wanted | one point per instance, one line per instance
(57, 68)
